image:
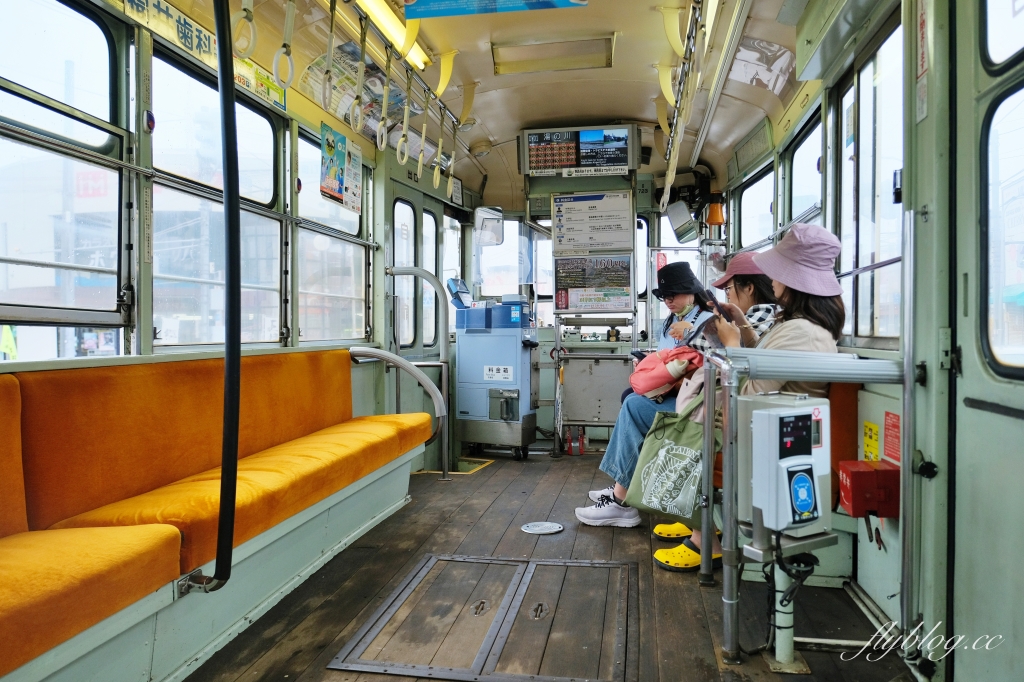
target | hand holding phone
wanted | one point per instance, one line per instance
(714, 301)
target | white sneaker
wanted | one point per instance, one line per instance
(596, 495)
(608, 512)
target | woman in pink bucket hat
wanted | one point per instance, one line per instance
(802, 268)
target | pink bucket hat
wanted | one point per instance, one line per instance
(740, 264)
(804, 260)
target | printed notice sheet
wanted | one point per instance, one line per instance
(581, 223)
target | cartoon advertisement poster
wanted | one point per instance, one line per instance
(332, 163)
(354, 179)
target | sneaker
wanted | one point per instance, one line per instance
(596, 495)
(608, 512)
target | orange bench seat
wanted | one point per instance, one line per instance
(273, 485)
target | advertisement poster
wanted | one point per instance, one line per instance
(581, 223)
(344, 66)
(594, 283)
(424, 9)
(578, 153)
(354, 179)
(332, 163)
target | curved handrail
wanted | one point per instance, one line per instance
(442, 301)
(440, 409)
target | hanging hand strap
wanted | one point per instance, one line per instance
(423, 135)
(244, 14)
(327, 83)
(402, 148)
(440, 147)
(451, 165)
(382, 126)
(286, 49)
(355, 110)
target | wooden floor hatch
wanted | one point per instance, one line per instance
(472, 619)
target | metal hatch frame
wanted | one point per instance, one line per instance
(626, 667)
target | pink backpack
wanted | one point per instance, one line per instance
(660, 372)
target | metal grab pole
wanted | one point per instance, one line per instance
(707, 504)
(730, 529)
(909, 615)
(445, 347)
(783, 619)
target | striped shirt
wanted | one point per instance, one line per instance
(761, 317)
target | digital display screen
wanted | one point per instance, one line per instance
(795, 436)
(603, 151)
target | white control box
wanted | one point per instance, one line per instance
(791, 466)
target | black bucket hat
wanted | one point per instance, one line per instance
(677, 278)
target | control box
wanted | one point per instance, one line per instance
(869, 487)
(791, 465)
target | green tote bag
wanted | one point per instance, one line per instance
(667, 479)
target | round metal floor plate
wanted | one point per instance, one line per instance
(542, 528)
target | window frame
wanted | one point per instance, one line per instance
(425, 287)
(769, 169)
(110, 157)
(789, 154)
(415, 259)
(990, 66)
(851, 80)
(1013, 87)
(278, 128)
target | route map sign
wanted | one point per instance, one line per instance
(579, 152)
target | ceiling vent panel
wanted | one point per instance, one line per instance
(569, 55)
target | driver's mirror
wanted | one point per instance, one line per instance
(489, 226)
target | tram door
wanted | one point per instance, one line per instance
(415, 332)
(989, 330)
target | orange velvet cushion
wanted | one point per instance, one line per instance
(12, 482)
(272, 485)
(94, 436)
(57, 583)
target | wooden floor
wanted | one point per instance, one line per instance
(481, 515)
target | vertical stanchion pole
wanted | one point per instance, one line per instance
(730, 555)
(909, 615)
(783, 620)
(707, 527)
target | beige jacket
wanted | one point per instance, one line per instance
(800, 335)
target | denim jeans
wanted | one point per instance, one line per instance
(631, 427)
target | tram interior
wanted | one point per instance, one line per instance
(316, 390)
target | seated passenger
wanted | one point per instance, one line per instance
(637, 413)
(803, 276)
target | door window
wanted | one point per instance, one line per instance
(428, 252)
(404, 224)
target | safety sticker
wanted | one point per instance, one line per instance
(892, 436)
(498, 373)
(871, 432)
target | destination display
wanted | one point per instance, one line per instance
(598, 221)
(578, 152)
(594, 283)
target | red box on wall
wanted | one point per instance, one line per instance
(867, 487)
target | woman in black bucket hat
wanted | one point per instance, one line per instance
(682, 294)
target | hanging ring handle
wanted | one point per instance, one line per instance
(440, 147)
(244, 14)
(402, 148)
(382, 126)
(423, 135)
(286, 49)
(327, 83)
(355, 110)
(451, 165)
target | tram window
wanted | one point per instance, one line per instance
(58, 52)
(805, 175)
(1004, 233)
(188, 271)
(404, 224)
(756, 207)
(39, 118)
(451, 259)
(498, 265)
(543, 276)
(428, 254)
(312, 204)
(28, 343)
(332, 288)
(59, 230)
(186, 140)
(1004, 28)
(871, 224)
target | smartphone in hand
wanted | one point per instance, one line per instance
(714, 301)
(639, 355)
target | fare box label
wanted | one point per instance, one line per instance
(498, 373)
